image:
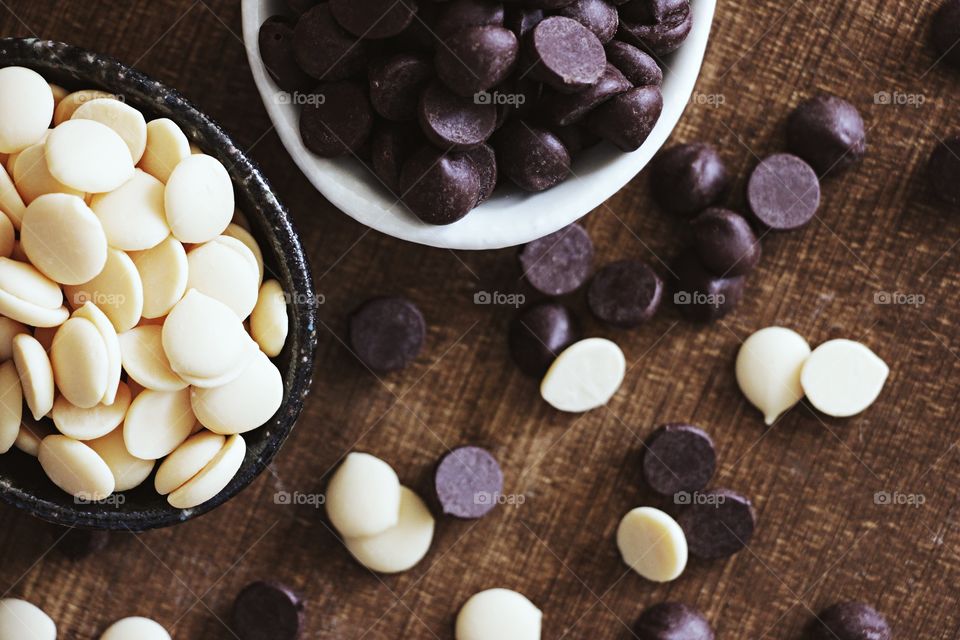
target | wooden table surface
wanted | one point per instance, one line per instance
(822, 536)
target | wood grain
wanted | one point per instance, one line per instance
(821, 535)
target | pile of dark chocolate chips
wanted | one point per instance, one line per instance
(445, 100)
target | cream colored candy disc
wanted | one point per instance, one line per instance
(498, 614)
(135, 628)
(167, 145)
(204, 338)
(234, 230)
(126, 121)
(76, 468)
(117, 291)
(92, 423)
(132, 215)
(842, 378)
(363, 496)
(158, 422)
(80, 366)
(243, 404)
(26, 108)
(585, 376)
(30, 313)
(11, 202)
(31, 435)
(88, 155)
(187, 461)
(144, 360)
(128, 471)
(209, 383)
(225, 270)
(36, 374)
(33, 178)
(163, 271)
(768, 370)
(8, 329)
(11, 405)
(63, 239)
(268, 322)
(652, 544)
(199, 199)
(20, 620)
(214, 477)
(91, 312)
(400, 547)
(73, 101)
(24, 281)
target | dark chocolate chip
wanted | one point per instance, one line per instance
(652, 11)
(468, 482)
(597, 15)
(386, 333)
(625, 293)
(576, 138)
(678, 457)
(725, 242)
(688, 178)
(268, 611)
(701, 295)
(559, 263)
(534, 159)
(828, 133)
(391, 145)
(945, 32)
(659, 38)
(397, 83)
(453, 122)
(639, 67)
(275, 41)
(324, 50)
(522, 20)
(673, 621)
(339, 121)
(475, 59)
(943, 170)
(459, 14)
(849, 621)
(783, 192)
(565, 54)
(627, 119)
(80, 543)
(485, 160)
(567, 108)
(440, 188)
(374, 19)
(538, 334)
(717, 523)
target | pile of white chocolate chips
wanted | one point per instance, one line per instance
(126, 277)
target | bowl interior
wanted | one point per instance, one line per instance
(22, 481)
(510, 217)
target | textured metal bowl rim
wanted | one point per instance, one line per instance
(55, 60)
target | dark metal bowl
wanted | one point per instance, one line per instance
(22, 482)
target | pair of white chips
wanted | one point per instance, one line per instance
(21, 620)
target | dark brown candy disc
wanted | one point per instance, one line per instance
(275, 41)
(849, 621)
(943, 170)
(827, 132)
(627, 119)
(338, 121)
(662, 36)
(484, 159)
(678, 457)
(783, 192)
(397, 83)
(538, 334)
(475, 59)
(440, 188)
(532, 158)
(688, 178)
(468, 482)
(725, 242)
(390, 147)
(637, 66)
(324, 50)
(597, 15)
(567, 108)
(673, 621)
(652, 11)
(625, 293)
(558, 263)
(458, 14)
(565, 54)
(701, 295)
(386, 333)
(454, 122)
(268, 610)
(374, 19)
(717, 523)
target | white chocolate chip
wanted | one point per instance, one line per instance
(166, 147)
(126, 121)
(363, 496)
(8, 329)
(26, 108)
(842, 378)
(76, 468)
(68, 105)
(768, 370)
(11, 405)
(236, 231)
(243, 404)
(187, 460)
(29, 313)
(652, 544)
(163, 272)
(111, 342)
(132, 215)
(400, 547)
(585, 376)
(88, 156)
(80, 366)
(32, 177)
(226, 270)
(63, 239)
(24, 281)
(128, 471)
(158, 422)
(11, 202)
(268, 322)
(92, 423)
(214, 477)
(199, 199)
(117, 291)
(20, 620)
(145, 360)
(135, 628)
(204, 338)
(498, 614)
(36, 374)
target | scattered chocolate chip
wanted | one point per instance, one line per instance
(476, 59)
(559, 263)
(673, 621)
(565, 54)
(849, 621)
(725, 242)
(567, 108)
(397, 83)
(597, 15)
(391, 146)
(662, 36)
(625, 293)
(80, 543)
(373, 19)
(460, 14)
(275, 41)
(783, 192)
(628, 118)
(828, 133)
(268, 611)
(699, 294)
(484, 159)
(718, 524)
(534, 159)
(943, 170)
(688, 178)
(678, 457)
(440, 188)
(324, 50)
(468, 482)
(453, 122)
(638, 67)
(339, 121)
(386, 333)
(538, 334)
(945, 32)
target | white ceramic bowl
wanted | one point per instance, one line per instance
(511, 216)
